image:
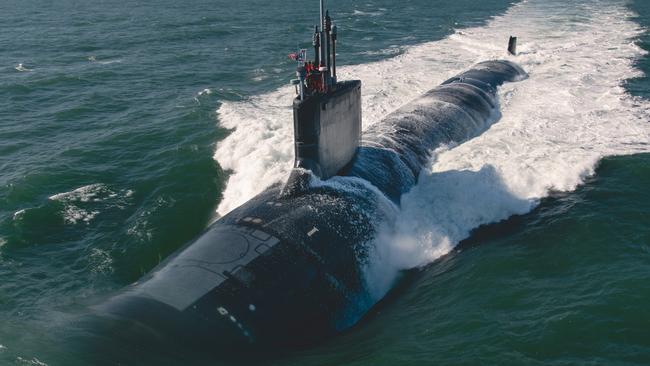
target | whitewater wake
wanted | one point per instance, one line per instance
(555, 126)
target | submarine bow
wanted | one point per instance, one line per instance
(286, 267)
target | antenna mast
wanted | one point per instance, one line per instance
(318, 76)
(325, 65)
(322, 33)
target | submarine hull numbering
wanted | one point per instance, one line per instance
(286, 268)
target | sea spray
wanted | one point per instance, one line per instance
(556, 126)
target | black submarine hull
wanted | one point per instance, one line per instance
(287, 267)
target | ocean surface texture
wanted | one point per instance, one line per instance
(127, 127)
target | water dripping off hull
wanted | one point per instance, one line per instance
(286, 269)
(276, 271)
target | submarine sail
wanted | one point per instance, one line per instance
(286, 267)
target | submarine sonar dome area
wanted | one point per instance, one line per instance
(167, 197)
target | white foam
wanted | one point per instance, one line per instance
(108, 62)
(18, 214)
(556, 125)
(205, 91)
(80, 204)
(91, 192)
(93, 58)
(392, 50)
(259, 151)
(73, 214)
(555, 128)
(20, 67)
(368, 13)
(34, 361)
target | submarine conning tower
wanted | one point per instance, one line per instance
(326, 112)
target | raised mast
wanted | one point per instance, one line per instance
(319, 75)
(333, 36)
(322, 34)
(316, 44)
(328, 60)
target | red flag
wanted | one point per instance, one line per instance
(300, 56)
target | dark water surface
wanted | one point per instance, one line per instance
(107, 138)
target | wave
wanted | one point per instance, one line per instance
(205, 91)
(20, 67)
(555, 126)
(92, 192)
(33, 361)
(368, 13)
(80, 205)
(93, 59)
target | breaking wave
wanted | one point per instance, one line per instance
(20, 67)
(82, 204)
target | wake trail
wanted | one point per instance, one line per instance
(555, 126)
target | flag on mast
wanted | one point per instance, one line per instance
(300, 56)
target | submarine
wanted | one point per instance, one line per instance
(286, 268)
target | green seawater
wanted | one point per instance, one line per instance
(107, 137)
(563, 285)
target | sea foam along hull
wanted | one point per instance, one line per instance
(286, 268)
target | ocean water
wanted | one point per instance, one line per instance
(126, 128)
